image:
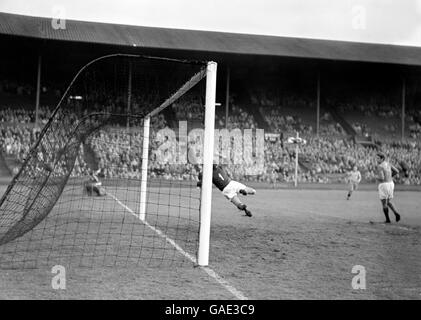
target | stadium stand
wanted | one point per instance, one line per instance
(256, 100)
(4, 168)
(324, 159)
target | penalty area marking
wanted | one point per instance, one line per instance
(210, 272)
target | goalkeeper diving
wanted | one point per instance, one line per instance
(229, 187)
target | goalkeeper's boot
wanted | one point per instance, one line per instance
(243, 207)
(248, 212)
(397, 216)
(243, 192)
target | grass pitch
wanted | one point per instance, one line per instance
(299, 244)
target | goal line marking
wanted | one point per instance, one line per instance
(210, 272)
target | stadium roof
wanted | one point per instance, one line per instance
(207, 41)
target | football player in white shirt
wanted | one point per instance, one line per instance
(386, 172)
(354, 179)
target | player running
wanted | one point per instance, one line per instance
(229, 187)
(354, 179)
(386, 172)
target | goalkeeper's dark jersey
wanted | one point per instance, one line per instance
(220, 177)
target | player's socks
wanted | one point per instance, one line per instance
(246, 211)
(241, 206)
(390, 205)
(397, 215)
(386, 213)
(237, 202)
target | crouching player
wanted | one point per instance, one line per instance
(386, 172)
(354, 179)
(94, 186)
(229, 187)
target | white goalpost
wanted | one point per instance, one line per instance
(208, 146)
(144, 172)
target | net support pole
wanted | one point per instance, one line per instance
(129, 94)
(318, 104)
(403, 110)
(144, 169)
(37, 98)
(296, 162)
(227, 97)
(206, 195)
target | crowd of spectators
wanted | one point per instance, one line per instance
(16, 88)
(189, 108)
(414, 117)
(16, 115)
(368, 106)
(17, 140)
(322, 159)
(237, 118)
(388, 116)
(280, 122)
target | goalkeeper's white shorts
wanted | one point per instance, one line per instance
(232, 189)
(386, 190)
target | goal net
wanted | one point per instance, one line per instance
(111, 178)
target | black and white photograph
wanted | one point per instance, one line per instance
(223, 152)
